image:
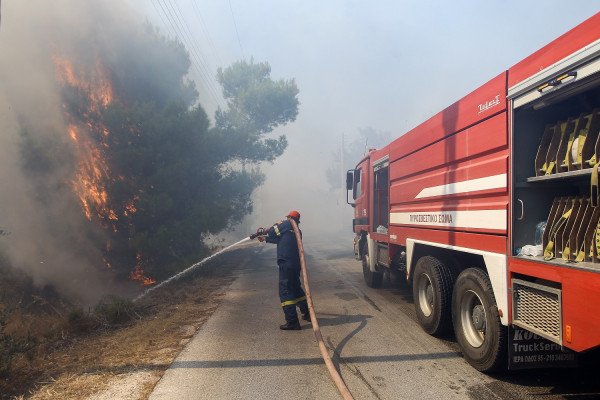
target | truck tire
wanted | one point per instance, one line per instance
(373, 279)
(432, 294)
(477, 327)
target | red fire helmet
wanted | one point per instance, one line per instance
(295, 215)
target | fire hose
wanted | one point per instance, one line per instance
(337, 379)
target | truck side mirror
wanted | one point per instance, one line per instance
(350, 185)
(350, 180)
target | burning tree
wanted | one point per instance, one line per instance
(148, 165)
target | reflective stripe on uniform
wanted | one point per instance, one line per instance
(276, 228)
(295, 301)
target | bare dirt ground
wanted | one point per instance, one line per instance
(123, 362)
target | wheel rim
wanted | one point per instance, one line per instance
(425, 295)
(473, 318)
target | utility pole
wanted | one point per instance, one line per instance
(343, 173)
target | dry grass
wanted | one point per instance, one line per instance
(125, 361)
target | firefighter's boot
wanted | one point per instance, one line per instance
(303, 305)
(290, 326)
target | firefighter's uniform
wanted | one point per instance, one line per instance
(291, 293)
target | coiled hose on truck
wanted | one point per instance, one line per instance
(339, 382)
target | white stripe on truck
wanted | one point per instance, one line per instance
(473, 185)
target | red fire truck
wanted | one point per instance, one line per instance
(458, 205)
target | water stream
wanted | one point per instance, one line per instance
(189, 269)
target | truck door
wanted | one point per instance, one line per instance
(360, 194)
(381, 196)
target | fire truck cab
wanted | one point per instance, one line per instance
(490, 209)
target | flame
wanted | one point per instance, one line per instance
(90, 178)
(130, 206)
(106, 262)
(95, 82)
(138, 273)
(93, 174)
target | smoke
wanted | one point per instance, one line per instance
(49, 237)
(389, 65)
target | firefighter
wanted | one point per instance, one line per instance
(288, 260)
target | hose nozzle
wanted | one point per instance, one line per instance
(259, 232)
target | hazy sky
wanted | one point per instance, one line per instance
(388, 65)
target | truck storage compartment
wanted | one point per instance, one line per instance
(556, 147)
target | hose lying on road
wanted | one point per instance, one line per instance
(339, 382)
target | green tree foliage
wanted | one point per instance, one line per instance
(173, 166)
(256, 105)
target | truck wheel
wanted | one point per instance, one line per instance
(477, 327)
(373, 279)
(432, 294)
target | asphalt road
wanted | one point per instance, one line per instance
(372, 334)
